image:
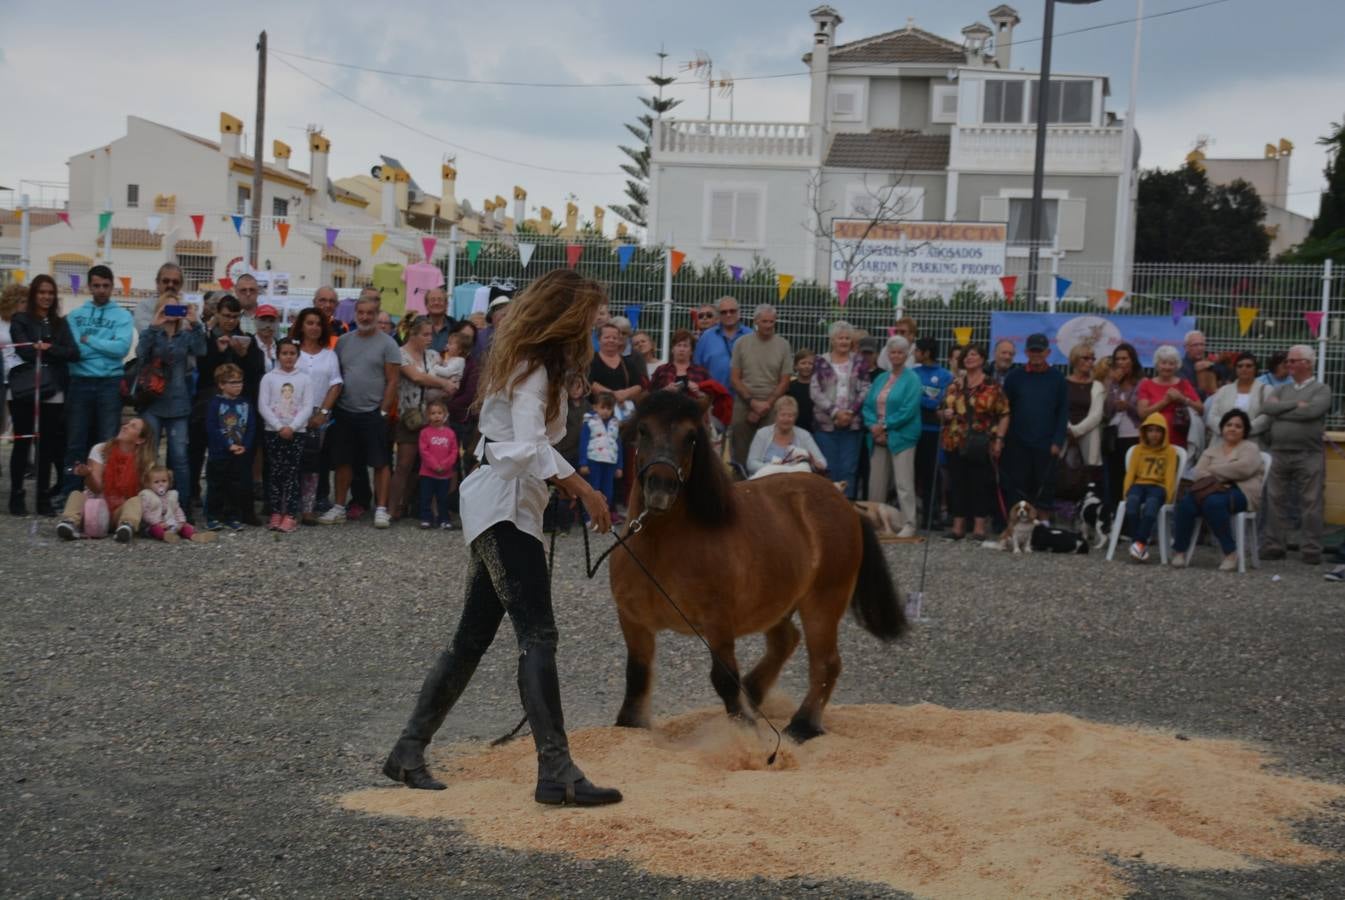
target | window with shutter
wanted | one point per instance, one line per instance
(1003, 101)
(943, 108)
(721, 216)
(132, 196)
(1020, 221)
(1069, 103)
(746, 218)
(733, 214)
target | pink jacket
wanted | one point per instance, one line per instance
(438, 452)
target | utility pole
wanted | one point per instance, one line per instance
(254, 239)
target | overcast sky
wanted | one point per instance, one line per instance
(1241, 72)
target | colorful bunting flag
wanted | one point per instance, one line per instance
(1010, 284)
(64, 217)
(843, 291)
(677, 257)
(104, 220)
(1114, 299)
(891, 331)
(284, 229)
(624, 254)
(783, 283)
(427, 244)
(375, 241)
(125, 285)
(1314, 320)
(1246, 315)
(894, 290)
(962, 335)
(331, 236)
(20, 276)
(572, 254)
(1061, 286)
(633, 314)
(152, 223)
(198, 222)
(238, 224)
(74, 284)
(525, 253)
(736, 272)
(1179, 308)
(473, 250)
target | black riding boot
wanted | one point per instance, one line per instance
(559, 780)
(443, 685)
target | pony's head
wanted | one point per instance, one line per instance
(676, 457)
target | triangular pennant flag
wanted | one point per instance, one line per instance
(572, 254)
(227, 283)
(525, 253)
(331, 236)
(677, 257)
(1009, 283)
(843, 291)
(633, 314)
(375, 241)
(1114, 299)
(238, 224)
(74, 284)
(104, 220)
(783, 283)
(894, 290)
(962, 335)
(1061, 286)
(284, 229)
(736, 272)
(152, 223)
(1179, 308)
(624, 254)
(473, 250)
(64, 217)
(20, 276)
(126, 285)
(1314, 320)
(198, 222)
(1246, 315)
(427, 244)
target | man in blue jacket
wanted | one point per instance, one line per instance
(714, 348)
(1038, 416)
(103, 332)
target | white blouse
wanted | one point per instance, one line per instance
(323, 370)
(512, 486)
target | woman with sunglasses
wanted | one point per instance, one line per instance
(1246, 392)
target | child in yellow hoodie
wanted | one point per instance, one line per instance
(1150, 482)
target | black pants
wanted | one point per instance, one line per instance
(506, 573)
(926, 467)
(229, 488)
(1029, 474)
(196, 452)
(971, 488)
(50, 450)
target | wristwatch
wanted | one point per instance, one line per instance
(383, 413)
(325, 411)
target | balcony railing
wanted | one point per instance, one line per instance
(1011, 148)
(757, 141)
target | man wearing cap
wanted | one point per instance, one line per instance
(1038, 417)
(268, 319)
(495, 313)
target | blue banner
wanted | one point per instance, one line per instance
(1146, 333)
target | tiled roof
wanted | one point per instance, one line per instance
(885, 148)
(905, 45)
(194, 248)
(136, 239)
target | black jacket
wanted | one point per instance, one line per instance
(253, 364)
(25, 328)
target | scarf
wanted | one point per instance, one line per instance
(121, 477)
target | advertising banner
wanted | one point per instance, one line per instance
(1065, 330)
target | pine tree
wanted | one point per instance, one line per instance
(637, 186)
(1326, 240)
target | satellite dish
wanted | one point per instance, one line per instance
(376, 171)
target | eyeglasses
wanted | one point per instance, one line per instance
(233, 381)
(705, 315)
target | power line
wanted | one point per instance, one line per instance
(481, 82)
(459, 147)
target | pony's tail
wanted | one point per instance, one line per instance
(876, 602)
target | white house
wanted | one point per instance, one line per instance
(935, 129)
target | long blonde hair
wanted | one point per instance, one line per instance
(548, 325)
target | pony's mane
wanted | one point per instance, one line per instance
(708, 490)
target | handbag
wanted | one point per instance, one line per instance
(1205, 486)
(23, 382)
(144, 381)
(1072, 481)
(414, 418)
(975, 444)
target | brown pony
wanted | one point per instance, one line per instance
(778, 545)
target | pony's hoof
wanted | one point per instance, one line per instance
(801, 731)
(631, 721)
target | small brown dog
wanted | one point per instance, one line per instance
(1022, 519)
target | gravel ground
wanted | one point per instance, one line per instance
(177, 721)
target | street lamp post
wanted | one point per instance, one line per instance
(1039, 161)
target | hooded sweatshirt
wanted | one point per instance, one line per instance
(1153, 465)
(104, 335)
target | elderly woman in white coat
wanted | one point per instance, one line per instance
(1246, 392)
(1087, 403)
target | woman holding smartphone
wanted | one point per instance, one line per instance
(167, 345)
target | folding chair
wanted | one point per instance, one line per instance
(1118, 521)
(1244, 529)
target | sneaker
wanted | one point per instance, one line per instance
(1229, 563)
(382, 519)
(234, 525)
(1139, 552)
(355, 512)
(273, 523)
(124, 533)
(907, 531)
(334, 516)
(1178, 560)
(425, 525)
(287, 525)
(448, 526)
(1336, 574)
(953, 536)
(65, 530)
(213, 524)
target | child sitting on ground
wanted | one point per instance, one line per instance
(231, 429)
(1150, 483)
(161, 516)
(600, 449)
(113, 475)
(438, 463)
(454, 359)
